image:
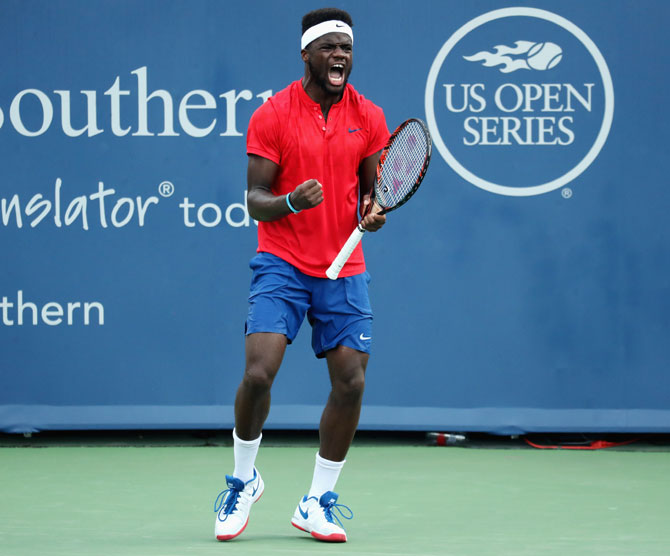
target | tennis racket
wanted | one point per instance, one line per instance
(402, 166)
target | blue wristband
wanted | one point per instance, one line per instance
(290, 206)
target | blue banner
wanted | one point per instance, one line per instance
(524, 288)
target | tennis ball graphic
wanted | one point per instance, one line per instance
(544, 55)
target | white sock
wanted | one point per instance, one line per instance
(245, 456)
(326, 473)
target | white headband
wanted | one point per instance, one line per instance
(332, 26)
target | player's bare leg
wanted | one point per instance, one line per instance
(343, 409)
(315, 513)
(264, 354)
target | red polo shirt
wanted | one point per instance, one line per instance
(289, 129)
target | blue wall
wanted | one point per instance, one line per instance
(525, 288)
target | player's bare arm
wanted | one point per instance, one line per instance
(371, 222)
(263, 204)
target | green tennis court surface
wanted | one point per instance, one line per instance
(144, 500)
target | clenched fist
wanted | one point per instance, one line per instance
(307, 195)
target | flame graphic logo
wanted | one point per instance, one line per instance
(525, 55)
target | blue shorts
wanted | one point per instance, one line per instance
(338, 310)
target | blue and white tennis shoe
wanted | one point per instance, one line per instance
(232, 506)
(316, 517)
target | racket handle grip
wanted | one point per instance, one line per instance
(343, 256)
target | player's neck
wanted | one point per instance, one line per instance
(318, 94)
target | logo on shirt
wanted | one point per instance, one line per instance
(354, 130)
(519, 101)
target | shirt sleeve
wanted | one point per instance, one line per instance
(379, 134)
(263, 133)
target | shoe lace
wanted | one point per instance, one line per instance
(344, 511)
(226, 504)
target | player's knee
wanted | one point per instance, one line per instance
(350, 389)
(258, 379)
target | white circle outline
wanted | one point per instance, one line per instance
(604, 128)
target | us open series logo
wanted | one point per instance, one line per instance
(519, 101)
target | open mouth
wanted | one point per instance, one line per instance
(336, 75)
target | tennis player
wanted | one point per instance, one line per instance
(312, 153)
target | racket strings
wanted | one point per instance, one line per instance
(403, 166)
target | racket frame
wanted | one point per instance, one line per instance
(356, 236)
